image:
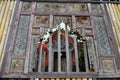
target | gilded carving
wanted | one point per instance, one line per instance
(61, 7)
(96, 8)
(26, 6)
(17, 65)
(42, 20)
(108, 66)
(82, 20)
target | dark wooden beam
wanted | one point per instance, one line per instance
(75, 1)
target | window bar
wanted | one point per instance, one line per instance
(50, 47)
(85, 51)
(43, 58)
(67, 50)
(28, 46)
(75, 44)
(76, 55)
(59, 50)
(50, 54)
(95, 42)
(86, 56)
(40, 57)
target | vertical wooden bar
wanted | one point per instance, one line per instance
(13, 38)
(95, 42)
(28, 49)
(15, 26)
(40, 58)
(26, 67)
(86, 56)
(41, 66)
(75, 46)
(67, 50)
(50, 46)
(85, 52)
(6, 31)
(59, 49)
(76, 54)
(43, 62)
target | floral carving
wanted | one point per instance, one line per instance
(42, 20)
(108, 66)
(26, 6)
(17, 65)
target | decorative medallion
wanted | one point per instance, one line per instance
(42, 20)
(82, 21)
(108, 66)
(17, 65)
(26, 6)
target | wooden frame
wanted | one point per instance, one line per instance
(26, 74)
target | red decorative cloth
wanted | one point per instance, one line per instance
(55, 37)
(45, 49)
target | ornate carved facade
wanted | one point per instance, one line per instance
(68, 39)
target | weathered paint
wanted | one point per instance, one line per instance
(114, 10)
(5, 18)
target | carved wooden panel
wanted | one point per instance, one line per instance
(17, 65)
(108, 66)
(61, 8)
(42, 20)
(96, 8)
(27, 6)
(34, 53)
(36, 30)
(21, 35)
(83, 21)
(102, 38)
(47, 14)
(91, 53)
(64, 19)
